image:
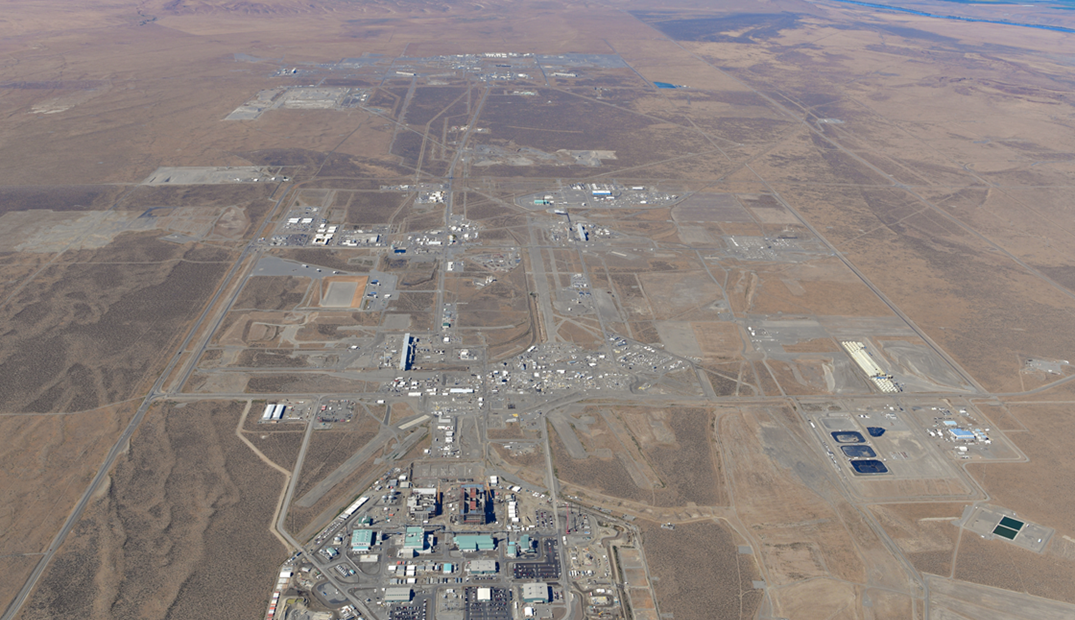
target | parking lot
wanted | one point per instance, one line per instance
(497, 608)
(546, 570)
(414, 611)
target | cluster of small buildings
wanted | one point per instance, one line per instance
(444, 436)
(963, 431)
(428, 386)
(415, 558)
(458, 231)
(498, 261)
(360, 237)
(306, 226)
(546, 368)
(432, 197)
(643, 357)
(281, 586)
(324, 234)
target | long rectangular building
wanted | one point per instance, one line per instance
(405, 352)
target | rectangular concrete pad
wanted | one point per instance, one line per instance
(711, 208)
(204, 175)
(343, 291)
(339, 294)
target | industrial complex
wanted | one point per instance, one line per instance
(503, 310)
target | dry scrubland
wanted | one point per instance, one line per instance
(675, 469)
(699, 572)
(182, 529)
(329, 449)
(48, 461)
(306, 522)
(1001, 565)
(1040, 489)
(91, 327)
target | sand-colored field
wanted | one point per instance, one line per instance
(342, 291)
(141, 546)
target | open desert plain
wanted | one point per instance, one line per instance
(605, 310)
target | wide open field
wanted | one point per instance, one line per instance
(1030, 487)
(272, 293)
(90, 329)
(45, 463)
(657, 457)
(187, 511)
(699, 573)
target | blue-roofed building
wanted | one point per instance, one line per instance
(961, 435)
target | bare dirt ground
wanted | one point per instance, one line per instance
(925, 532)
(812, 543)
(1031, 486)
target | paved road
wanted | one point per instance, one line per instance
(554, 500)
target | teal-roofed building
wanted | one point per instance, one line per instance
(474, 542)
(362, 540)
(415, 539)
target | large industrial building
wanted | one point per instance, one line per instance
(474, 504)
(415, 540)
(961, 435)
(482, 567)
(424, 503)
(273, 412)
(536, 592)
(362, 540)
(406, 354)
(474, 542)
